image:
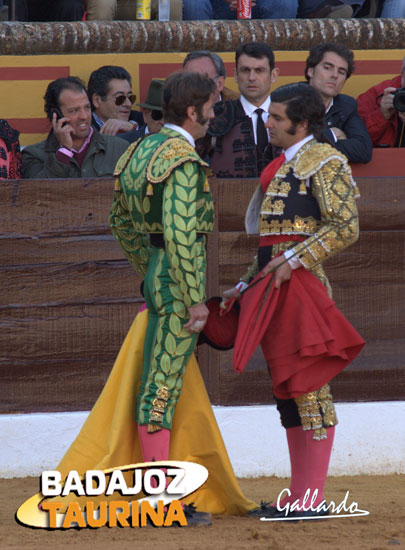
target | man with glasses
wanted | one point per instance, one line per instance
(111, 98)
(152, 113)
(73, 149)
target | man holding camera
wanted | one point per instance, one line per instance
(382, 108)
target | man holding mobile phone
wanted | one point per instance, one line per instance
(73, 149)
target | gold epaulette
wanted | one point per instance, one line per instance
(125, 158)
(314, 157)
(168, 156)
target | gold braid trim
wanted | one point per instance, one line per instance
(317, 411)
(159, 406)
(319, 154)
(124, 159)
(171, 154)
(152, 428)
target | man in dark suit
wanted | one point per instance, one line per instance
(152, 113)
(328, 66)
(237, 142)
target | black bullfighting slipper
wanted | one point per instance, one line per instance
(265, 511)
(195, 518)
(309, 515)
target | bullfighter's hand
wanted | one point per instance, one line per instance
(198, 318)
(281, 274)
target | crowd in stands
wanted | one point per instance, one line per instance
(189, 10)
(92, 126)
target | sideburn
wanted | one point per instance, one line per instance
(200, 119)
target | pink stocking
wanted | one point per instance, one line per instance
(297, 447)
(318, 456)
(154, 446)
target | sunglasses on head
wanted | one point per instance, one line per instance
(120, 99)
(157, 115)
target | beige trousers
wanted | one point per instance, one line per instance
(123, 10)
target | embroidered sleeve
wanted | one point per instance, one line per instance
(335, 194)
(135, 245)
(180, 232)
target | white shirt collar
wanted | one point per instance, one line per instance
(330, 106)
(293, 150)
(98, 120)
(250, 109)
(181, 131)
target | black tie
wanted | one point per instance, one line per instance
(261, 132)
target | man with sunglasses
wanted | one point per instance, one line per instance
(152, 113)
(111, 99)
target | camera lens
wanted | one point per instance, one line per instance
(399, 100)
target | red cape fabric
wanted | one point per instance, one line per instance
(305, 339)
(270, 171)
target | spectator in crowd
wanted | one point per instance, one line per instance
(393, 8)
(111, 98)
(10, 156)
(211, 64)
(152, 112)
(3, 11)
(315, 9)
(49, 10)
(226, 9)
(237, 141)
(107, 10)
(110, 93)
(378, 107)
(328, 66)
(73, 149)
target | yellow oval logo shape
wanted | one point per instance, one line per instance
(163, 482)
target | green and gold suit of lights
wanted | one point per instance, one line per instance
(162, 188)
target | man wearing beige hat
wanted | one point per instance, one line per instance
(152, 113)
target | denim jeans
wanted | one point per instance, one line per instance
(393, 8)
(306, 7)
(219, 9)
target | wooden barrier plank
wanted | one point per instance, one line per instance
(60, 250)
(60, 284)
(67, 207)
(72, 331)
(66, 386)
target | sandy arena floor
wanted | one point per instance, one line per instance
(382, 496)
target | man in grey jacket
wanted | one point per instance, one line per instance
(73, 149)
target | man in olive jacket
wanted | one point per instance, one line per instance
(73, 149)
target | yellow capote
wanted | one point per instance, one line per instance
(109, 438)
